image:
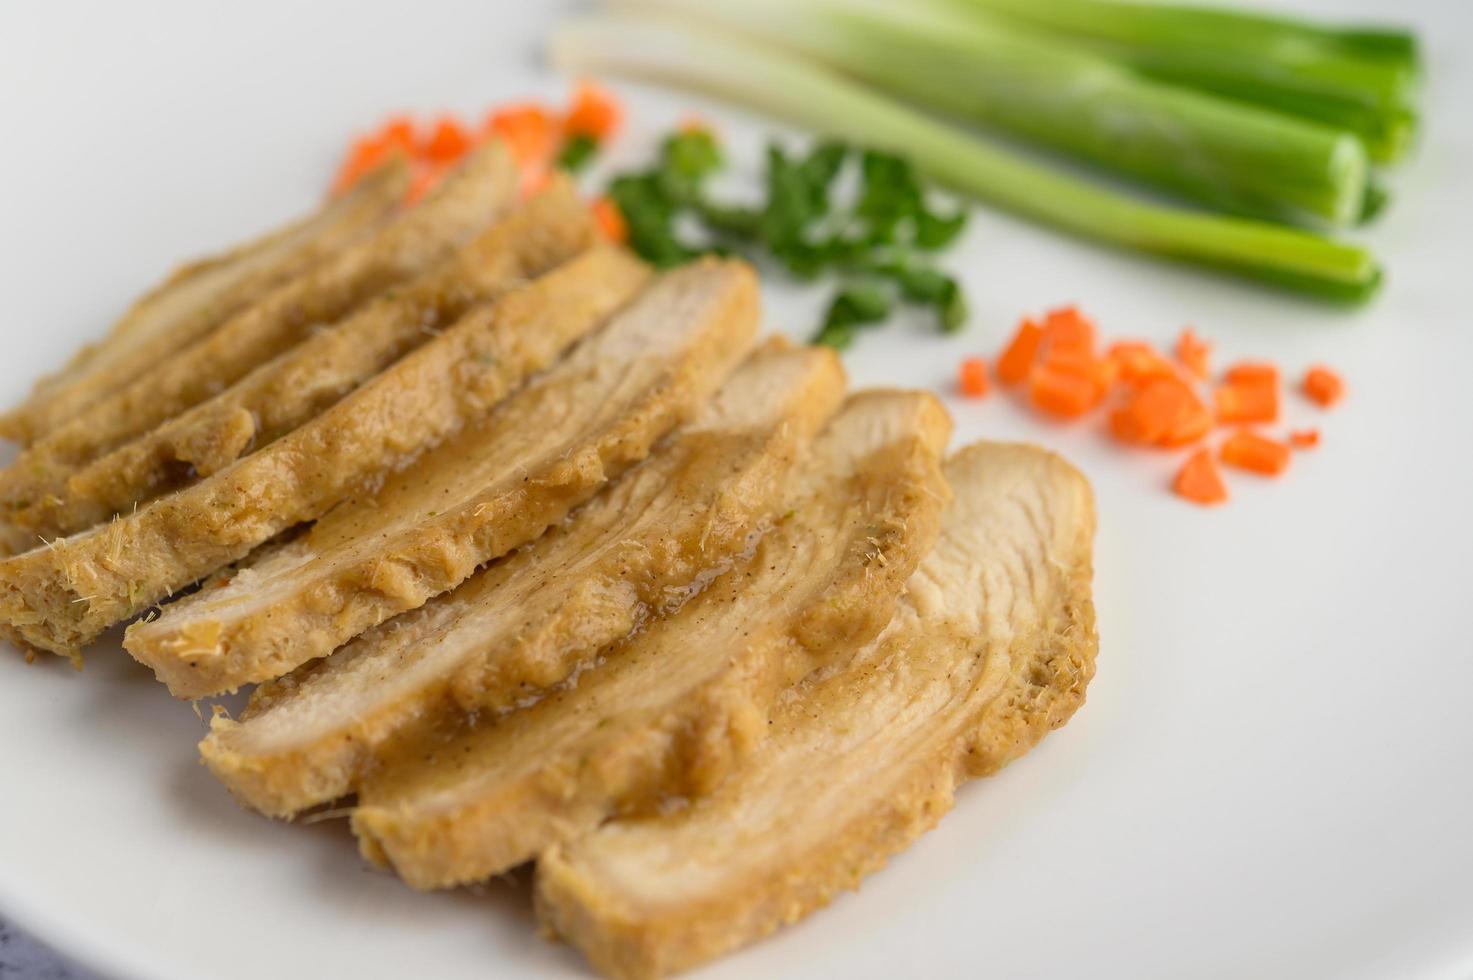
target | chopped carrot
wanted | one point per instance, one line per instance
(1247, 401)
(1255, 453)
(1016, 361)
(595, 112)
(398, 132)
(610, 220)
(972, 379)
(531, 131)
(1323, 386)
(1068, 329)
(1200, 481)
(1138, 361)
(1252, 372)
(1101, 372)
(1061, 393)
(1304, 438)
(366, 154)
(447, 141)
(1194, 353)
(1163, 411)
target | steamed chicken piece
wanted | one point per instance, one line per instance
(636, 552)
(992, 648)
(61, 595)
(673, 710)
(198, 298)
(468, 200)
(290, 390)
(496, 485)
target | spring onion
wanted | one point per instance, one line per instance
(770, 80)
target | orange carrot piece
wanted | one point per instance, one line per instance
(972, 378)
(1066, 328)
(1200, 481)
(1137, 361)
(447, 142)
(595, 112)
(1247, 401)
(1304, 438)
(365, 154)
(532, 133)
(1194, 353)
(610, 220)
(1255, 453)
(1323, 386)
(1252, 372)
(1017, 360)
(1062, 394)
(398, 133)
(1163, 411)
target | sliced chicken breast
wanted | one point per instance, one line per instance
(198, 298)
(493, 487)
(462, 206)
(671, 711)
(61, 595)
(634, 553)
(296, 386)
(992, 648)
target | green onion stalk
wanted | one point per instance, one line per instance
(1360, 78)
(765, 78)
(1227, 155)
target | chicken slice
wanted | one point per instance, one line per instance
(61, 595)
(493, 487)
(285, 392)
(638, 548)
(463, 205)
(673, 709)
(991, 649)
(199, 297)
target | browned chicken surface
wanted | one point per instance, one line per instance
(404, 247)
(198, 298)
(492, 487)
(991, 648)
(673, 710)
(61, 595)
(636, 552)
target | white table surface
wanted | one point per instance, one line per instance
(1270, 779)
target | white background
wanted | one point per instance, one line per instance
(1270, 779)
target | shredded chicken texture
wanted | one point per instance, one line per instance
(59, 596)
(494, 486)
(198, 298)
(637, 551)
(407, 245)
(992, 647)
(673, 710)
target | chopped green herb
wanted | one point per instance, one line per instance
(577, 152)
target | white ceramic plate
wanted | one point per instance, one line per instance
(1271, 777)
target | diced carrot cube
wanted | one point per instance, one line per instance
(1252, 372)
(972, 377)
(595, 112)
(1323, 386)
(1304, 438)
(1062, 394)
(399, 133)
(1017, 360)
(1194, 353)
(1247, 401)
(610, 220)
(448, 141)
(531, 131)
(1255, 453)
(1200, 481)
(366, 154)
(1066, 328)
(1163, 411)
(1138, 361)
